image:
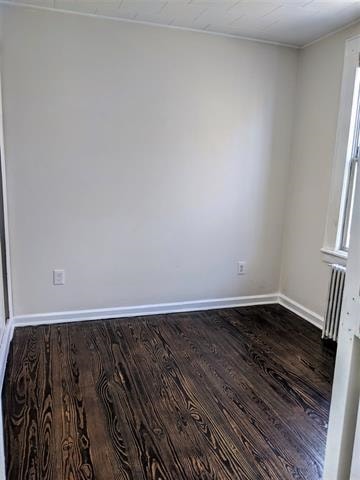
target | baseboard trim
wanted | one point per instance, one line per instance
(142, 310)
(302, 311)
(161, 308)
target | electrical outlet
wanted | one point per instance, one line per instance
(59, 277)
(241, 268)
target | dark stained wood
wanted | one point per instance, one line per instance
(229, 394)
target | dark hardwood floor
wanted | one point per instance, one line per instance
(229, 394)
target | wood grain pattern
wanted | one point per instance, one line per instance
(230, 394)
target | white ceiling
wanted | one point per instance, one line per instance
(293, 22)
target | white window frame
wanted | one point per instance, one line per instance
(333, 248)
(350, 172)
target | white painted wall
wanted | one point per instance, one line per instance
(305, 276)
(143, 161)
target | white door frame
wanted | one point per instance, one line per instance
(6, 235)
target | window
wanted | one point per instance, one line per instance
(351, 172)
(346, 161)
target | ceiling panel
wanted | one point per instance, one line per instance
(293, 22)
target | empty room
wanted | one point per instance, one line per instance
(180, 240)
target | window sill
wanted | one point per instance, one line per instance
(334, 256)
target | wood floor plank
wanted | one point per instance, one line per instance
(95, 387)
(232, 394)
(76, 458)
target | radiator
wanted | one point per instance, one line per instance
(335, 298)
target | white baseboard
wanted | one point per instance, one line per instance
(300, 310)
(154, 309)
(162, 308)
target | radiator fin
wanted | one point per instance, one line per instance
(335, 298)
